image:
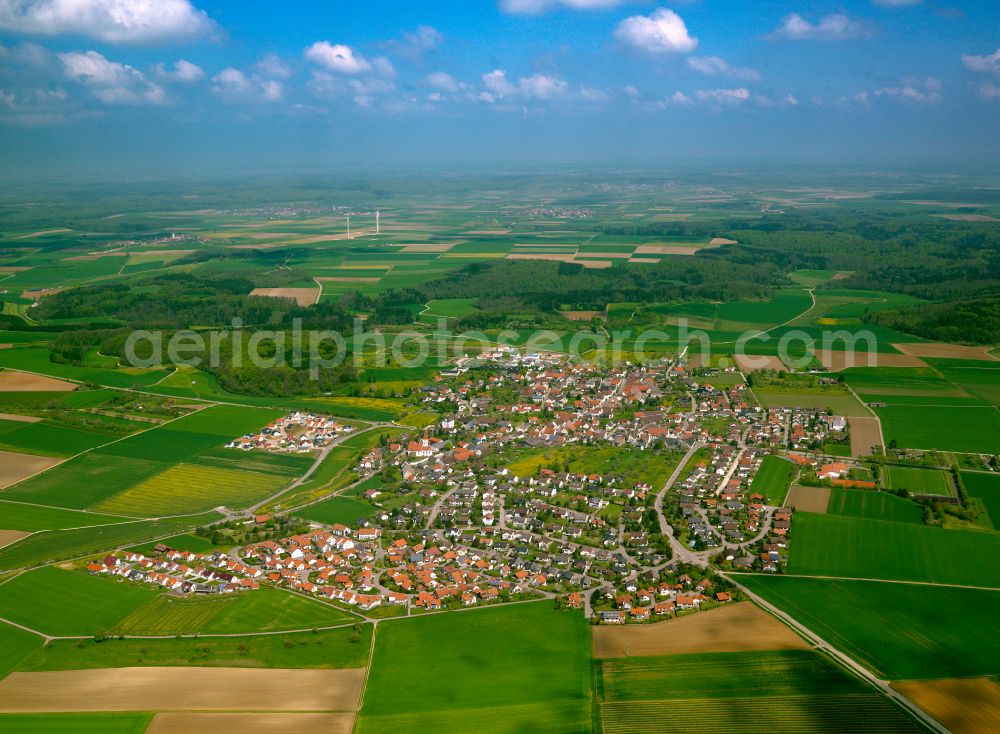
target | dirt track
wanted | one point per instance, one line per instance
(733, 628)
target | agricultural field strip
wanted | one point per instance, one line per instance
(843, 658)
(109, 443)
(191, 635)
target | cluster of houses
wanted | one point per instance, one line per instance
(298, 432)
(641, 601)
(180, 571)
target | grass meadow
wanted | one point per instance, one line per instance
(919, 481)
(874, 506)
(321, 649)
(18, 516)
(103, 723)
(773, 479)
(857, 547)
(899, 631)
(504, 669)
(973, 429)
(778, 691)
(57, 545)
(985, 488)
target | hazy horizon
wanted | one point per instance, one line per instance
(193, 88)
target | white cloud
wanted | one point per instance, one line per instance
(681, 98)
(713, 65)
(236, 87)
(111, 82)
(926, 91)
(345, 60)
(987, 64)
(631, 92)
(537, 7)
(273, 66)
(592, 94)
(537, 86)
(496, 83)
(542, 86)
(184, 72)
(111, 21)
(414, 44)
(989, 91)
(791, 100)
(835, 27)
(722, 96)
(897, 3)
(662, 32)
(442, 80)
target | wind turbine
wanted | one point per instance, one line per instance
(348, 226)
(377, 230)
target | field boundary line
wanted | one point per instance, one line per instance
(857, 578)
(364, 683)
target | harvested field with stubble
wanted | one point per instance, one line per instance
(740, 627)
(751, 363)
(808, 499)
(182, 689)
(302, 296)
(250, 723)
(945, 351)
(11, 381)
(667, 250)
(964, 705)
(865, 434)
(14, 466)
(11, 536)
(835, 361)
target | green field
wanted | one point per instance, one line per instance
(321, 649)
(92, 478)
(632, 465)
(790, 691)
(263, 610)
(118, 723)
(15, 645)
(899, 631)
(773, 479)
(505, 667)
(985, 488)
(873, 505)
(337, 510)
(60, 602)
(970, 429)
(47, 439)
(919, 481)
(193, 488)
(839, 404)
(17, 516)
(855, 547)
(56, 545)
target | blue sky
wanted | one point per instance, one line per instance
(160, 86)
